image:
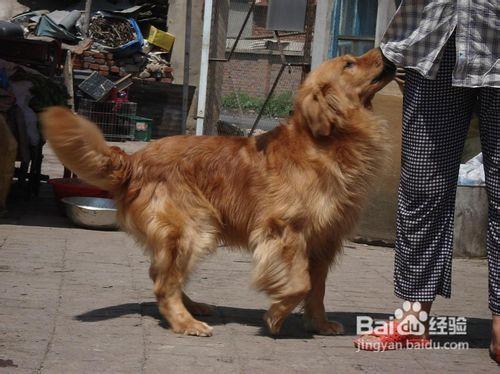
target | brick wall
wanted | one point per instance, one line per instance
(109, 65)
(254, 74)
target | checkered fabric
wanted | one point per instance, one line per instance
(420, 28)
(436, 118)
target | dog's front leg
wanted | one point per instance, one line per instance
(314, 309)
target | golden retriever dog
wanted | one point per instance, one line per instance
(289, 196)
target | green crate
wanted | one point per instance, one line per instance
(142, 126)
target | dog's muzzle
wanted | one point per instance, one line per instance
(389, 69)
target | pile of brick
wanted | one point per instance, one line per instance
(139, 65)
(104, 63)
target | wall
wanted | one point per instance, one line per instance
(321, 37)
(238, 10)
(254, 74)
(386, 9)
(378, 220)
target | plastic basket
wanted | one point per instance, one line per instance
(142, 127)
(69, 187)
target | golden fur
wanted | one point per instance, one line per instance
(289, 196)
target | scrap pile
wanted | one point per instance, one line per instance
(111, 32)
(122, 45)
(114, 45)
(151, 67)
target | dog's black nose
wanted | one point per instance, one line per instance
(389, 66)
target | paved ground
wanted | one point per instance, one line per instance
(80, 301)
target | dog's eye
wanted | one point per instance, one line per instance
(349, 64)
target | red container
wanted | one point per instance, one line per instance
(68, 187)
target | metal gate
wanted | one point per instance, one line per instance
(262, 68)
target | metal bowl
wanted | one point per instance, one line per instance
(91, 212)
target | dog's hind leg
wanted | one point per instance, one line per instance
(314, 309)
(167, 273)
(281, 269)
(171, 259)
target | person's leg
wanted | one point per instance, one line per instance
(489, 119)
(436, 119)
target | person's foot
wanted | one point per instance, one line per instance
(379, 341)
(495, 338)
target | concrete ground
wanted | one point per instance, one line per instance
(80, 301)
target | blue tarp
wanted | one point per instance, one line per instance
(47, 27)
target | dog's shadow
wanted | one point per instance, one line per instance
(478, 329)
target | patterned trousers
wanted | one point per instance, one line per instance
(436, 119)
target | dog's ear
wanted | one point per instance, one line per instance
(323, 108)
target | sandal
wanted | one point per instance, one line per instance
(392, 340)
(495, 356)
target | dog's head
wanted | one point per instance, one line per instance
(340, 85)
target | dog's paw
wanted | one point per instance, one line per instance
(324, 327)
(273, 323)
(195, 328)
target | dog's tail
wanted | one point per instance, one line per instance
(81, 147)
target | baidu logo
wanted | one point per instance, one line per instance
(410, 328)
(413, 323)
(412, 320)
